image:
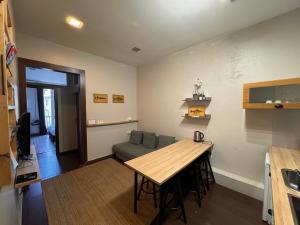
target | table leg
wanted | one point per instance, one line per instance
(181, 198)
(135, 191)
(161, 205)
(154, 194)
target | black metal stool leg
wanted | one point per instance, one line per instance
(211, 172)
(202, 181)
(140, 190)
(180, 198)
(206, 173)
(197, 185)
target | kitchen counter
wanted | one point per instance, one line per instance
(283, 158)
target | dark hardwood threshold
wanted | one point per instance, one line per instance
(98, 159)
(69, 152)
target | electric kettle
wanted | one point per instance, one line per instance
(198, 136)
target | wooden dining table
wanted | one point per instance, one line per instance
(161, 165)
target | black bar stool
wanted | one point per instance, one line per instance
(194, 182)
(154, 191)
(206, 167)
(174, 187)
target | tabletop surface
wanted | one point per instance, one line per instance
(283, 158)
(160, 165)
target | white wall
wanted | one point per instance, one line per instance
(68, 119)
(10, 206)
(266, 51)
(102, 76)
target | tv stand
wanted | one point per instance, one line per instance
(27, 157)
(29, 164)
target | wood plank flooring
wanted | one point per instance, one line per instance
(220, 206)
(34, 211)
(102, 194)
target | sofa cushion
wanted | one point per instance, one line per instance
(149, 140)
(164, 141)
(136, 137)
(126, 151)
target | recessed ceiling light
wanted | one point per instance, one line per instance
(74, 22)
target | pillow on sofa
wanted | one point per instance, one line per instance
(149, 140)
(164, 141)
(136, 137)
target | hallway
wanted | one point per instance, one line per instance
(50, 164)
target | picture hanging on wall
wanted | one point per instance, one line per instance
(100, 98)
(118, 98)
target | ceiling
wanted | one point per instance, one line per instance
(159, 27)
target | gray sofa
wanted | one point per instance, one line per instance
(140, 143)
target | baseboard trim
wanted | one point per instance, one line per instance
(98, 159)
(240, 184)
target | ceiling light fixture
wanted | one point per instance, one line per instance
(74, 22)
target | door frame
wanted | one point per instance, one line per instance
(23, 63)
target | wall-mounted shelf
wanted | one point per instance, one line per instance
(11, 107)
(29, 166)
(207, 116)
(197, 108)
(10, 80)
(207, 99)
(112, 123)
(256, 95)
(7, 96)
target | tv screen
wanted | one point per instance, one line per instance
(23, 135)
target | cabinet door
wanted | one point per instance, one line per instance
(5, 177)
(271, 95)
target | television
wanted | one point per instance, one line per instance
(23, 136)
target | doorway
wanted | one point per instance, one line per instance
(52, 121)
(49, 111)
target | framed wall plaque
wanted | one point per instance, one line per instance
(197, 111)
(100, 98)
(118, 98)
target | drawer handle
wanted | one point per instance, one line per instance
(270, 212)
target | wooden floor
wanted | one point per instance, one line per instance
(101, 193)
(34, 211)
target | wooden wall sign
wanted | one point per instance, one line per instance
(100, 98)
(197, 111)
(118, 98)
